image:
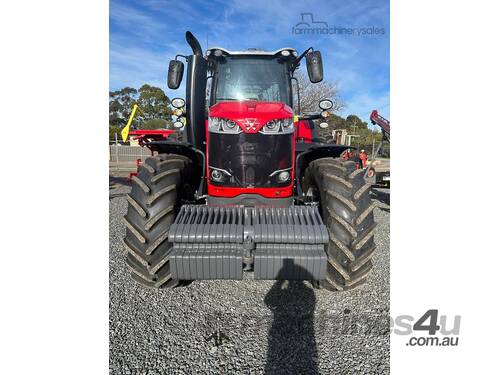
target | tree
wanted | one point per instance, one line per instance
(154, 104)
(120, 104)
(335, 122)
(155, 109)
(366, 136)
(154, 124)
(312, 93)
(354, 126)
(114, 129)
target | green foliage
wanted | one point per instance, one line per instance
(154, 124)
(155, 110)
(154, 104)
(114, 129)
(355, 126)
(120, 105)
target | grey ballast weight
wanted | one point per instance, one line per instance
(217, 242)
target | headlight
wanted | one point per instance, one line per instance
(218, 174)
(213, 124)
(229, 125)
(281, 175)
(281, 126)
(288, 123)
(222, 125)
(272, 125)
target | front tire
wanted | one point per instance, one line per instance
(152, 206)
(347, 211)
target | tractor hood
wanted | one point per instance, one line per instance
(251, 115)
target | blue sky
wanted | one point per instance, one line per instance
(146, 34)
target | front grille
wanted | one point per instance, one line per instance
(250, 159)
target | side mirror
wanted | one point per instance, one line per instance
(175, 71)
(314, 66)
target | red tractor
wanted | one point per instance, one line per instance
(245, 192)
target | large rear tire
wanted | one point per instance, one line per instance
(347, 211)
(152, 205)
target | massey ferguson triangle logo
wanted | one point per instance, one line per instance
(250, 124)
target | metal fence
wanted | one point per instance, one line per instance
(124, 157)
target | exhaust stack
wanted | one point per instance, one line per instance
(195, 93)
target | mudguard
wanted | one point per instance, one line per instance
(306, 153)
(197, 157)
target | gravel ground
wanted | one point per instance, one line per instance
(247, 327)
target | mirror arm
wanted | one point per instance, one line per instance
(313, 116)
(296, 62)
(185, 57)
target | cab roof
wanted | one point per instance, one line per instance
(252, 52)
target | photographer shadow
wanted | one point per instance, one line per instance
(291, 340)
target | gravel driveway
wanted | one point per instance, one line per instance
(247, 327)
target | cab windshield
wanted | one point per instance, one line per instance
(251, 78)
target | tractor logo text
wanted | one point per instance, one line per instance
(309, 26)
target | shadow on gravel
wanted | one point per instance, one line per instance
(117, 182)
(382, 197)
(291, 344)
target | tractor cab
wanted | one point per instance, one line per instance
(250, 123)
(251, 75)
